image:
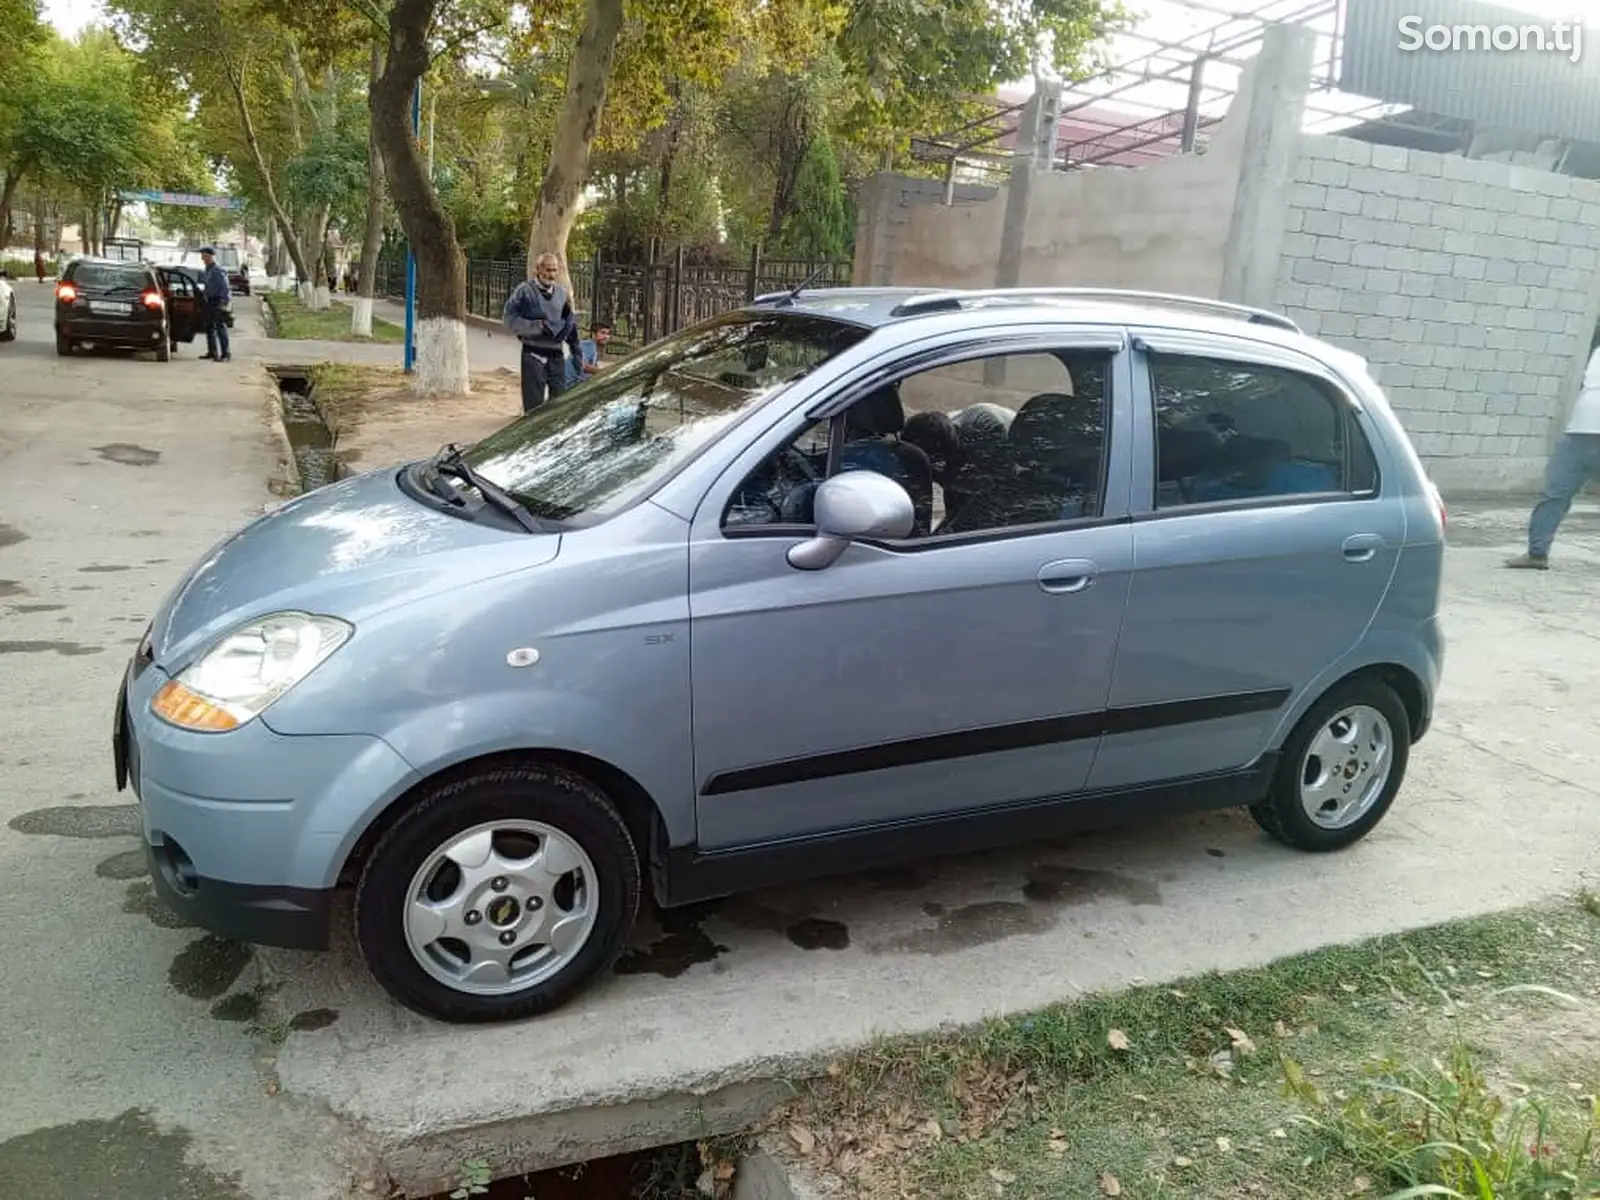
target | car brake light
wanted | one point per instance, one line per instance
(66, 293)
(151, 299)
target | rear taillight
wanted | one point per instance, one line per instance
(151, 299)
(66, 293)
(1438, 502)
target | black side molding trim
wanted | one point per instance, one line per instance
(995, 739)
(686, 875)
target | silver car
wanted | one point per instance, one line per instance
(838, 579)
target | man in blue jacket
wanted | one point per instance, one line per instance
(218, 297)
(539, 312)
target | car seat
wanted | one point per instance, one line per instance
(1058, 442)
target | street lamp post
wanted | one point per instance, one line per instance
(411, 258)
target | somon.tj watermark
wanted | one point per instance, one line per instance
(1554, 37)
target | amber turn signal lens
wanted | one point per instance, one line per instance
(179, 706)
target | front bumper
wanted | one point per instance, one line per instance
(245, 832)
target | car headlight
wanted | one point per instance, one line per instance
(238, 678)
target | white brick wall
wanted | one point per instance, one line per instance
(1466, 284)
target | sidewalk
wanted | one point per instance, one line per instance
(487, 350)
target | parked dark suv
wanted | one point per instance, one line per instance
(133, 305)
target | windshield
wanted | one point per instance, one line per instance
(108, 275)
(611, 439)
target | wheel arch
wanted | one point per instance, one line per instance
(1405, 682)
(636, 806)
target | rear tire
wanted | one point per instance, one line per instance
(164, 350)
(458, 851)
(1327, 793)
(63, 345)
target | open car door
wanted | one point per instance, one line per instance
(183, 304)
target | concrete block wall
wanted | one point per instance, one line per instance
(1470, 286)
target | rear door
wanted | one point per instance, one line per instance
(1262, 549)
(183, 304)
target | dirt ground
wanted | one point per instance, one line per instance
(377, 421)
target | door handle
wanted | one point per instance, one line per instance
(1067, 575)
(1361, 547)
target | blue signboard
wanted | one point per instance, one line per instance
(185, 199)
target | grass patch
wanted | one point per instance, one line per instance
(1251, 1084)
(294, 321)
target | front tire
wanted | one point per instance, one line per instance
(499, 895)
(8, 331)
(1340, 768)
(63, 345)
(164, 350)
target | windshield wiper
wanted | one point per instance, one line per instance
(450, 462)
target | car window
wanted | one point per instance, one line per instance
(981, 445)
(1230, 430)
(109, 275)
(609, 440)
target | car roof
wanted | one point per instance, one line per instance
(879, 307)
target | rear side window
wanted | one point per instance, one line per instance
(109, 275)
(1229, 431)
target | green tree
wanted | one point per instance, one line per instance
(820, 226)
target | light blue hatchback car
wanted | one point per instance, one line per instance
(842, 578)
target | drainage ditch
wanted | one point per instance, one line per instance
(665, 1173)
(310, 439)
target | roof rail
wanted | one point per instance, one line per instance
(953, 300)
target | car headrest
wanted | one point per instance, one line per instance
(877, 414)
(1053, 421)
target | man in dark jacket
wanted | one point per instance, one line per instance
(539, 312)
(218, 300)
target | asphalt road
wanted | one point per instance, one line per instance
(132, 1070)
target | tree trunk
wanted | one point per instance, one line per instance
(7, 193)
(441, 329)
(258, 156)
(576, 126)
(318, 297)
(793, 136)
(372, 235)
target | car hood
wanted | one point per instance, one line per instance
(350, 549)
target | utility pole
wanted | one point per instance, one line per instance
(411, 257)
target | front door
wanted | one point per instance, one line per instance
(183, 305)
(1262, 552)
(963, 667)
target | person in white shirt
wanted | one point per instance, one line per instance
(1575, 461)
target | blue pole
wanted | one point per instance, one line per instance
(411, 259)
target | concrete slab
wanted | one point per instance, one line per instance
(112, 1027)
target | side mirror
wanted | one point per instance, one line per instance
(848, 508)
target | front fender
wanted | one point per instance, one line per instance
(657, 755)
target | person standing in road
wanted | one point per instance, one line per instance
(1573, 463)
(38, 264)
(539, 312)
(218, 300)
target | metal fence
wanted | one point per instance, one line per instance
(642, 301)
